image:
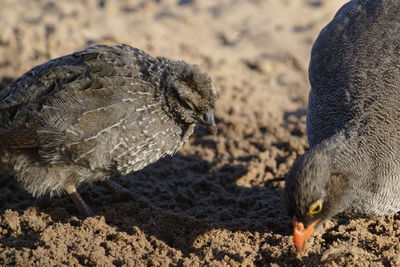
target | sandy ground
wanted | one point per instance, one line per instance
(218, 202)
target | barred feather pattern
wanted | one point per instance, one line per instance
(353, 117)
(104, 110)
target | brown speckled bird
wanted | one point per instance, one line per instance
(353, 120)
(108, 109)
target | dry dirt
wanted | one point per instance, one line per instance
(218, 202)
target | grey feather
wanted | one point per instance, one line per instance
(353, 118)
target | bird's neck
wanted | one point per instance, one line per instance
(371, 172)
(352, 165)
(345, 154)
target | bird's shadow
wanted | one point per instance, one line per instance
(176, 199)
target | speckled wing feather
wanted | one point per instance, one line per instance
(65, 103)
(22, 100)
(82, 117)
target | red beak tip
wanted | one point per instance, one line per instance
(302, 234)
(300, 247)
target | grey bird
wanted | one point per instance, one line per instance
(107, 109)
(353, 120)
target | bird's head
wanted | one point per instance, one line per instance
(190, 95)
(314, 192)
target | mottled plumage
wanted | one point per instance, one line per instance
(104, 110)
(353, 119)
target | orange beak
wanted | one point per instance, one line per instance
(300, 235)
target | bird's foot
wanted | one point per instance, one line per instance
(79, 202)
(119, 192)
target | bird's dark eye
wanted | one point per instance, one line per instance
(315, 207)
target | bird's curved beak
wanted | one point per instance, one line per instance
(300, 235)
(209, 122)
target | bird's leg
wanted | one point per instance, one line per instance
(78, 201)
(118, 191)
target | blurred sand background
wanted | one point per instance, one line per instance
(218, 202)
